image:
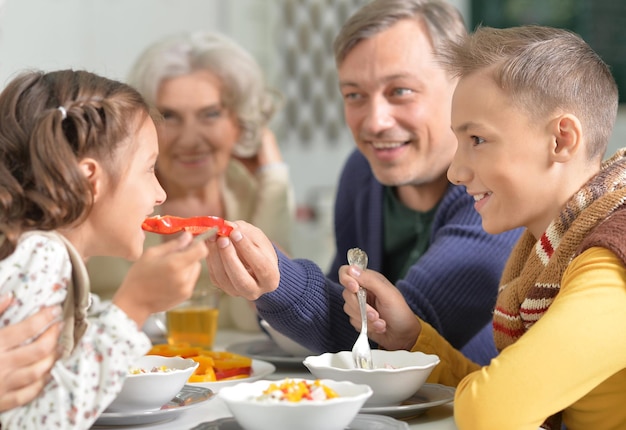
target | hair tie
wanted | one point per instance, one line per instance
(63, 112)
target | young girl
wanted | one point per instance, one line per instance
(77, 179)
(533, 111)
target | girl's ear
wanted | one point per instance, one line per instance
(94, 174)
(568, 134)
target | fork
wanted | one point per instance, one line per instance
(361, 352)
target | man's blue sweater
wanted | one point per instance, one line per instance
(453, 286)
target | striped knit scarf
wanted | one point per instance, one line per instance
(532, 275)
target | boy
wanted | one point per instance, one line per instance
(532, 112)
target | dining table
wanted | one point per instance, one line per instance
(200, 417)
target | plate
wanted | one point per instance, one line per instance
(260, 369)
(265, 349)
(360, 422)
(429, 396)
(189, 397)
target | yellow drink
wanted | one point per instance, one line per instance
(193, 325)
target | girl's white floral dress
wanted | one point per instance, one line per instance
(41, 271)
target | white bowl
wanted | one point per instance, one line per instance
(150, 391)
(286, 344)
(396, 376)
(331, 414)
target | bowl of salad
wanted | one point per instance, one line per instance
(151, 382)
(289, 404)
(395, 377)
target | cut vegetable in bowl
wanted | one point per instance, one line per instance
(212, 365)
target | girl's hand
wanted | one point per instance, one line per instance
(163, 277)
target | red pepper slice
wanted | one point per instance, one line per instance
(195, 225)
(232, 373)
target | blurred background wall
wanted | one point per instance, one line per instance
(291, 39)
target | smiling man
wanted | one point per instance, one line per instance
(394, 200)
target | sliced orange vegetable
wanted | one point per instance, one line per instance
(228, 360)
(232, 373)
(207, 376)
(213, 365)
(204, 364)
(181, 350)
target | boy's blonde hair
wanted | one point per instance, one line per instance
(544, 70)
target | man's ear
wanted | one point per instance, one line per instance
(94, 173)
(567, 131)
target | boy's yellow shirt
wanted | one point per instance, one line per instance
(553, 366)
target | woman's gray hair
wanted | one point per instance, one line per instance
(442, 20)
(243, 90)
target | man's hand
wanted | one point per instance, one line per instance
(244, 264)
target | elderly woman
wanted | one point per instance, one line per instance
(217, 155)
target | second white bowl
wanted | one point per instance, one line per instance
(396, 376)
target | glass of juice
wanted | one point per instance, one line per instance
(194, 322)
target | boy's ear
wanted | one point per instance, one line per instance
(568, 137)
(94, 173)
